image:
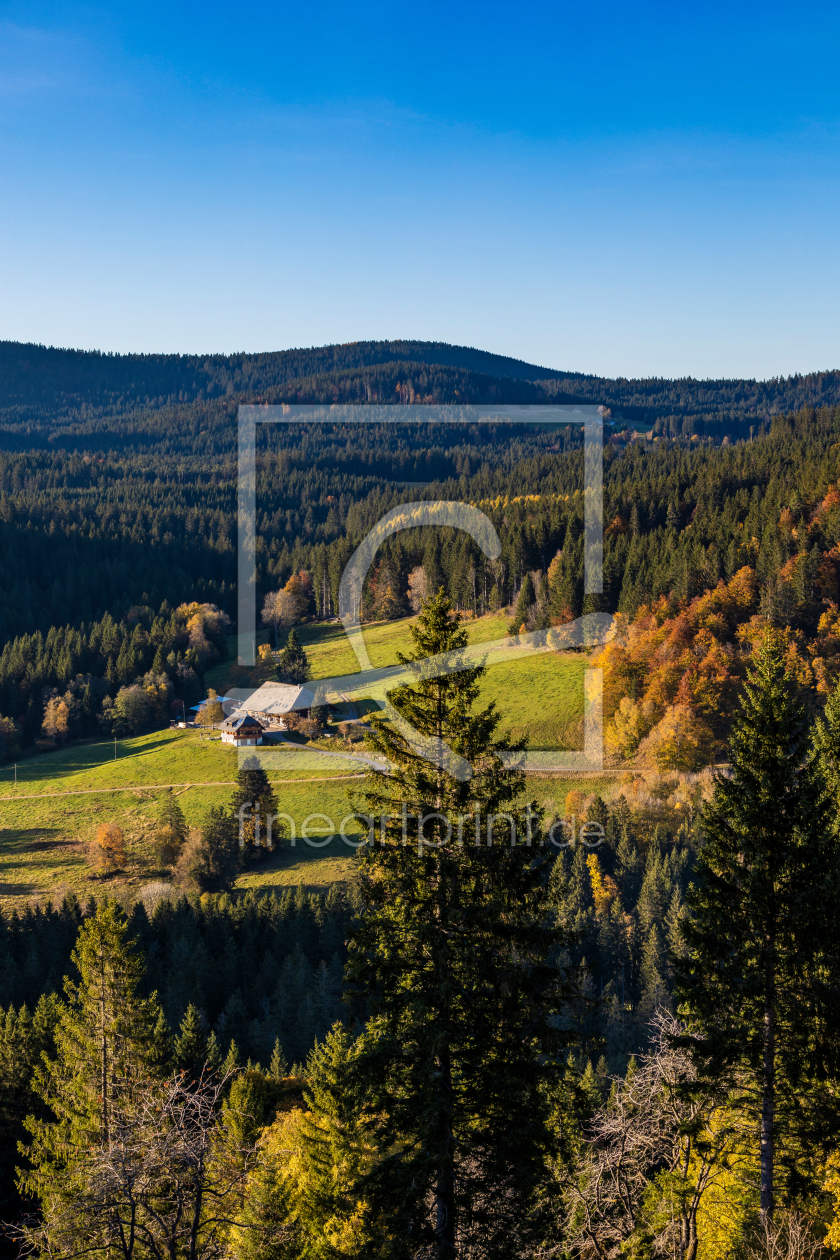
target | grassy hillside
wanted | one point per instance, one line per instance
(50, 815)
(539, 697)
(60, 800)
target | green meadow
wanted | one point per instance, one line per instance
(539, 697)
(48, 819)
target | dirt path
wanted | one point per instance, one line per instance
(156, 787)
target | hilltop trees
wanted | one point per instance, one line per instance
(453, 951)
(763, 931)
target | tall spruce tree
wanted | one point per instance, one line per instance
(189, 1050)
(104, 1053)
(452, 952)
(762, 931)
(293, 663)
(254, 803)
(24, 1039)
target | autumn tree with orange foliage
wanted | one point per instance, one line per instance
(670, 681)
(107, 851)
(686, 662)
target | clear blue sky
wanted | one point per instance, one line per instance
(612, 188)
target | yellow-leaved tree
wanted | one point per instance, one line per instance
(631, 722)
(107, 850)
(306, 1182)
(682, 740)
(211, 712)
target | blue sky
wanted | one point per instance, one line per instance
(612, 188)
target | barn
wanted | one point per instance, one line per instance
(273, 701)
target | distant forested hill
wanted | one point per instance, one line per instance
(67, 395)
(31, 374)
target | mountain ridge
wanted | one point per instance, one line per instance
(43, 386)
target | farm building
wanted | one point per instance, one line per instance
(242, 730)
(271, 702)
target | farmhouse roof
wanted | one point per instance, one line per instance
(276, 698)
(237, 721)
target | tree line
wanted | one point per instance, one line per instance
(107, 677)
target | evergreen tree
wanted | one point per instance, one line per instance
(24, 1038)
(453, 947)
(243, 1115)
(190, 1048)
(213, 1058)
(579, 899)
(762, 929)
(590, 1086)
(325, 1188)
(653, 972)
(254, 803)
(233, 1060)
(827, 743)
(655, 893)
(279, 1068)
(292, 662)
(628, 870)
(104, 1042)
(673, 921)
(161, 1053)
(523, 604)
